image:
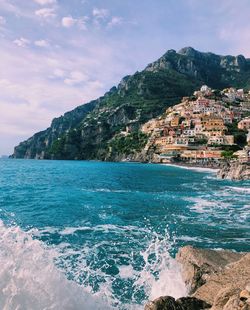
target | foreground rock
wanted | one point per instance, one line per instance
(184, 303)
(219, 280)
(199, 264)
(235, 171)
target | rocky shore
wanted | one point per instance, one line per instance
(231, 170)
(234, 171)
(216, 280)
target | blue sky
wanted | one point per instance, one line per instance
(57, 54)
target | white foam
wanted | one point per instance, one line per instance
(106, 190)
(198, 169)
(162, 276)
(126, 271)
(29, 279)
(239, 189)
(202, 204)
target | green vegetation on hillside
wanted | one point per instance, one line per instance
(129, 144)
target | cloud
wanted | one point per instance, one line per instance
(76, 77)
(115, 21)
(2, 21)
(100, 13)
(59, 73)
(35, 87)
(22, 42)
(41, 43)
(46, 13)
(45, 2)
(68, 21)
(9, 7)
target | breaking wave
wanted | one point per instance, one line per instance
(30, 279)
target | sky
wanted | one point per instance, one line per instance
(58, 54)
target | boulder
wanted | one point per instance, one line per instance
(226, 285)
(217, 280)
(199, 264)
(163, 303)
(184, 303)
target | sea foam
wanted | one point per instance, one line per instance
(29, 279)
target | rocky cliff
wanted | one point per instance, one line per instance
(88, 131)
(234, 170)
(217, 280)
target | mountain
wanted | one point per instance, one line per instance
(89, 131)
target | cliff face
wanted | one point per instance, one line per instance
(37, 145)
(86, 132)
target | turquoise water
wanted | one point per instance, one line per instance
(109, 231)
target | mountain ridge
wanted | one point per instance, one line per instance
(86, 131)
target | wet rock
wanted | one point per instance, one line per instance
(218, 280)
(192, 303)
(163, 303)
(184, 303)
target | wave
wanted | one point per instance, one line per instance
(239, 189)
(107, 190)
(30, 278)
(198, 169)
(200, 205)
(162, 276)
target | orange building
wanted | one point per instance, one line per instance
(213, 123)
(244, 124)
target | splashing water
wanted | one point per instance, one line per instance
(29, 279)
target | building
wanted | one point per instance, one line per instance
(175, 121)
(211, 123)
(244, 124)
(201, 154)
(221, 140)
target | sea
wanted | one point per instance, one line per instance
(99, 235)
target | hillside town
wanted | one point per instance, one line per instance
(206, 128)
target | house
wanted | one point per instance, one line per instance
(189, 132)
(201, 154)
(175, 121)
(210, 123)
(221, 140)
(244, 124)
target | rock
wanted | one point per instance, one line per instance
(235, 171)
(224, 296)
(199, 264)
(192, 303)
(218, 280)
(244, 295)
(184, 303)
(224, 284)
(163, 303)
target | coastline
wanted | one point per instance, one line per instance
(198, 168)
